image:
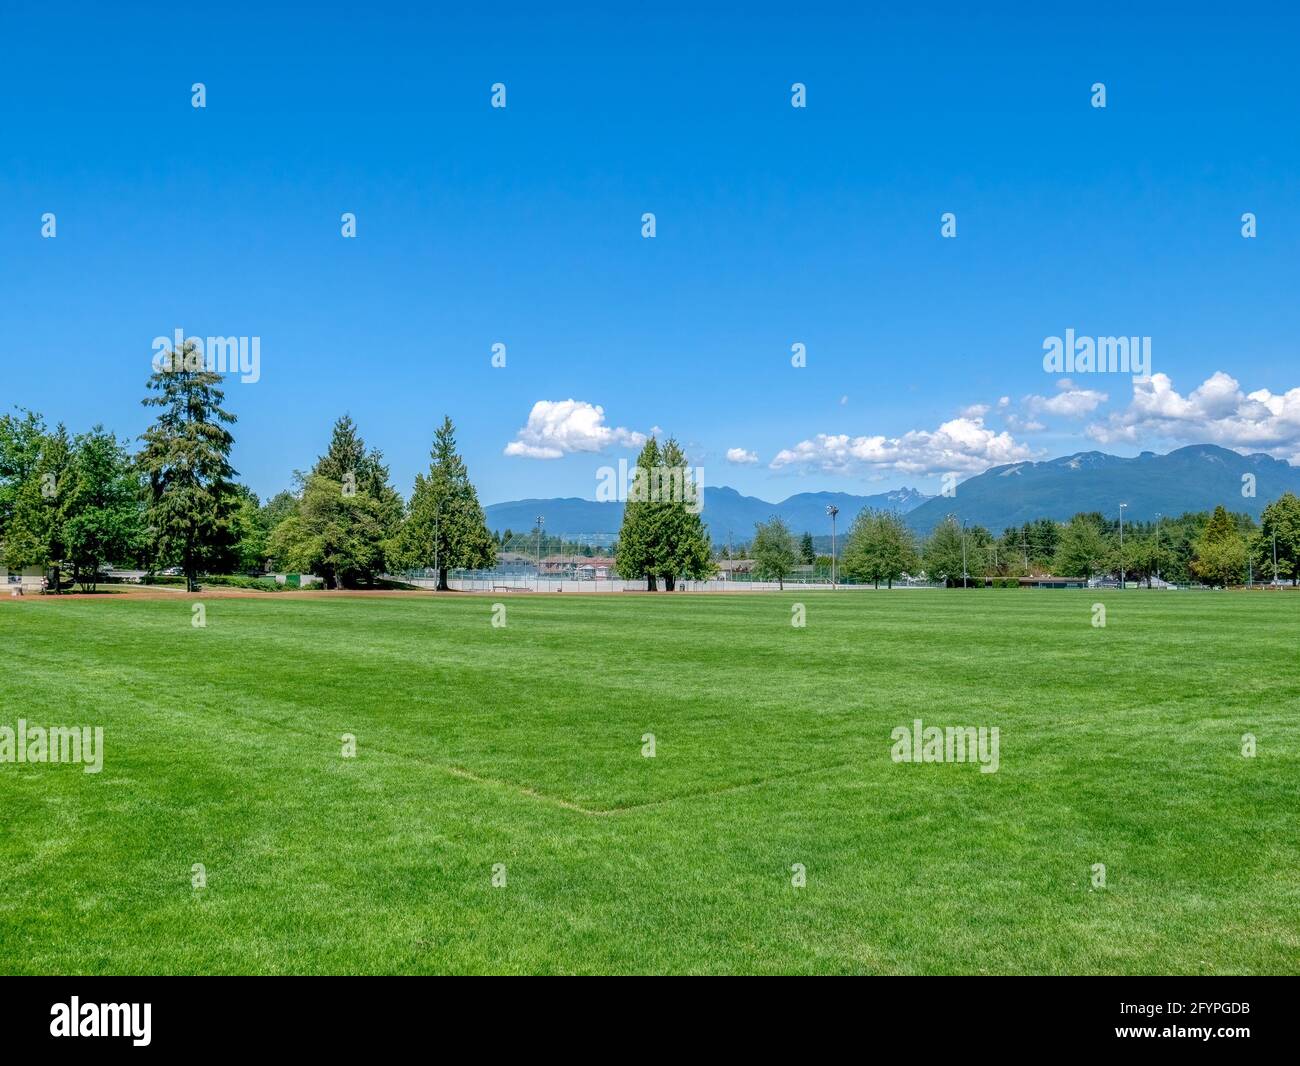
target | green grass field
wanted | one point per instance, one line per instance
(522, 746)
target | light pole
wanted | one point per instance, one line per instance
(1275, 556)
(540, 520)
(1121, 545)
(832, 510)
(1157, 545)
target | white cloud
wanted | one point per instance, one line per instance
(963, 444)
(741, 457)
(560, 427)
(1019, 424)
(1070, 401)
(1215, 412)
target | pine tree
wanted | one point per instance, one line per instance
(684, 542)
(445, 527)
(186, 460)
(806, 549)
(637, 554)
(347, 462)
(346, 518)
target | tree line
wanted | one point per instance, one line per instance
(74, 505)
(1216, 548)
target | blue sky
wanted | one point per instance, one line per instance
(775, 225)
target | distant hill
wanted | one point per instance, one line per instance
(725, 511)
(1195, 478)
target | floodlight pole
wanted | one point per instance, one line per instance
(1275, 555)
(832, 510)
(1157, 546)
(538, 583)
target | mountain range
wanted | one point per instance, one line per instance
(1194, 478)
(726, 512)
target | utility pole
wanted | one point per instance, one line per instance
(832, 510)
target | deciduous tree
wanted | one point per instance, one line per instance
(774, 551)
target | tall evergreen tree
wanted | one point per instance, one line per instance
(638, 552)
(190, 491)
(806, 550)
(348, 462)
(445, 526)
(684, 549)
(347, 516)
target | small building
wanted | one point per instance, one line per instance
(728, 568)
(1045, 581)
(596, 568)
